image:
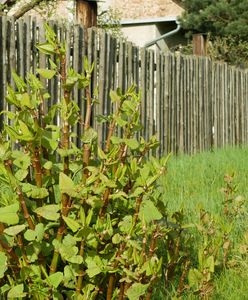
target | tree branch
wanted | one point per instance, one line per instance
(21, 7)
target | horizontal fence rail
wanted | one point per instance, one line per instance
(191, 103)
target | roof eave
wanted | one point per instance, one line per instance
(148, 20)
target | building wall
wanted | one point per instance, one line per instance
(142, 34)
(141, 9)
(139, 34)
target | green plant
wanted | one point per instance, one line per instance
(83, 221)
(109, 20)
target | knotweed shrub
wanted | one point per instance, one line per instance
(77, 222)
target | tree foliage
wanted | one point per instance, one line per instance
(222, 18)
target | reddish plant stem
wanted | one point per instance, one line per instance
(108, 190)
(182, 278)
(153, 242)
(88, 110)
(144, 244)
(81, 272)
(122, 291)
(65, 145)
(150, 289)
(110, 133)
(110, 286)
(37, 167)
(20, 244)
(10, 251)
(42, 110)
(112, 128)
(137, 209)
(8, 164)
(38, 171)
(24, 208)
(87, 146)
(112, 276)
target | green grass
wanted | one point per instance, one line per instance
(195, 182)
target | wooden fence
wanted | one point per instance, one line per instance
(190, 103)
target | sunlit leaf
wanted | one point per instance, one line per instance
(17, 292)
(72, 224)
(14, 230)
(8, 214)
(49, 212)
(67, 185)
(3, 264)
(48, 74)
(136, 291)
(149, 211)
(55, 279)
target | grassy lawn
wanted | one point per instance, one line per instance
(196, 182)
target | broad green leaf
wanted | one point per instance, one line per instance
(136, 291)
(101, 153)
(17, 292)
(89, 136)
(149, 212)
(116, 140)
(117, 238)
(30, 235)
(14, 230)
(50, 138)
(67, 185)
(70, 82)
(210, 263)
(88, 291)
(55, 279)
(195, 277)
(3, 264)
(107, 182)
(132, 143)
(49, 212)
(35, 235)
(126, 224)
(120, 121)
(128, 106)
(26, 101)
(20, 84)
(52, 64)
(34, 82)
(94, 266)
(8, 214)
(48, 74)
(72, 224)
(114, 96)
(33, 250)
(89, 217)
(26, 133)
(14, 135)
(76, 259)
(34, 192)
(21, 174)
(11, 97)
(21, 160)
(48, 165)
(46, 48)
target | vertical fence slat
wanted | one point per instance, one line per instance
(159, 106)
(3, 38)
(151, 108)
(143, 85)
